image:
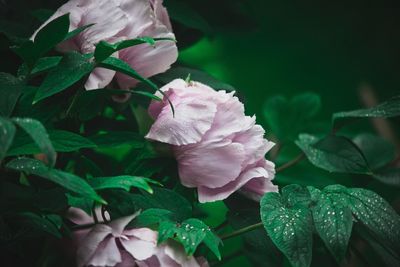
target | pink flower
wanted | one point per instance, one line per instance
(117, 20)
(218, 148)
(112, 245)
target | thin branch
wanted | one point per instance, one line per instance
(242, 230)
(291, 163)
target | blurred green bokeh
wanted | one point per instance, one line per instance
(297, 46)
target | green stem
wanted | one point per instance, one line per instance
(242, 230)
(291, 163)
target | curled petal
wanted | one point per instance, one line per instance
(207, 194)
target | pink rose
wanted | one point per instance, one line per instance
(112, 245)
(218, 148)
(117, 20)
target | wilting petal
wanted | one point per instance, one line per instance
(212, 165)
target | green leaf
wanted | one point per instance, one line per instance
(387, 256)
(63, 141)
(80, 202)
(119, 65)
(72, 68)
(38, 133)
(333, 153)
(388, 109)
(388, 176)
(88, 104)
(164, 199)
(195, 75)
(190, 233)
(114, 138)
(333, 222)
(77, 31)
(121, 182)
(377, 151)
(49, 224)
(10, 90)
(152, 217)
(290, 228)
(44, 64)
(47, 38)
(7, 132)
(146, 94)
(64, 179)
(287, 118)
(296, 195)
(376, 214)
(104, 49)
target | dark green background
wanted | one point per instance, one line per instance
(287, 47)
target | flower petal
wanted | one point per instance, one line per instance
(107, 254)
(192, 119)
(145, 234)
(119, 224)
(254, 144)
(149, 60)
(176, 252)
(229, 118)
(99, 78)
(91, 242)
(127, 260)
(211, 165)
(207, 194)
(139, 249)
(161, 13)
(256, 188)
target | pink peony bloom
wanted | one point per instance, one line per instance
(112, 245)
(219, 150)
(117, 20)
